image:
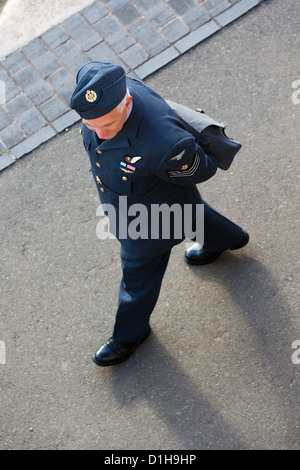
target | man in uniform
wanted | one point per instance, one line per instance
(140, 150)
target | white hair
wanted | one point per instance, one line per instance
(121, 105)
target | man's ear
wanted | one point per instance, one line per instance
(128, 102)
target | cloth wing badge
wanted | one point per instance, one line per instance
(127, 166)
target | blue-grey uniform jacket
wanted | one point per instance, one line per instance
(153, 160)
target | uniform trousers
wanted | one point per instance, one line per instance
(143, 275)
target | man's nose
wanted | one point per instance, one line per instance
(100, 133)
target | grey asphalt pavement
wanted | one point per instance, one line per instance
(217, 372)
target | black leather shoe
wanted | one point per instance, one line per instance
(115, 352)
(198, 256)
(244, 241)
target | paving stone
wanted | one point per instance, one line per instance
(63, 83)
(157, 11)
(175, 30)
(104, 53)
(160, 14)
(236, 11)
(126, 12)
(65, 121)
(191, 13)
(33, 85)
(27, 115)
(6, 159)
(156, 62)
(34, 49)
(71, 56)
(33, 142)
(113, 5)
(55, 37)
(2, 93)
(19, 105)
(53, 109)
(181, 6)
(40, 56)
(197, 36)
(94, 12)
(5, 119)
(115, 35)
(215, 7)
(81, 31)
(12, 135)
(31, 121)
(10, 88)
(134, 56)
(15, 62)
(148, 37)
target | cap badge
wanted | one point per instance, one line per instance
(91, 96)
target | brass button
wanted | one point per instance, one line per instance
(98, 165)
(103, 190)
(99, 151)
(124, 178)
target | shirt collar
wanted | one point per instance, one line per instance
(129, 112)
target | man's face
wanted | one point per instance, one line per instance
(107, 126)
